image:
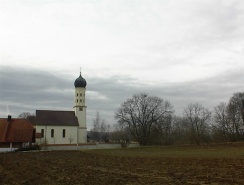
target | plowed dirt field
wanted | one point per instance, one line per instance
(208, 164)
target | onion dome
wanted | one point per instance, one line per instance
(80, 82)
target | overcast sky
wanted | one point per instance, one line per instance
(185, 51)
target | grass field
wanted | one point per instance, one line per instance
(205, 164)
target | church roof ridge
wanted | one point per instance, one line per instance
(56, 118)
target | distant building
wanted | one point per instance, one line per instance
(63, 127)
(14, 133)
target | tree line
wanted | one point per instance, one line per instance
(151, 120)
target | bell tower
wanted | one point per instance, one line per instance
(80, 108)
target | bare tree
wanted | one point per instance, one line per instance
(141, 113)
(173, 130)
(180, 132)
(163, 131)
(198, 119)
(100, 130)
(228, 118)
(121, 134)
(237, 100)
(234, 120)
(236, 114)
(221, 124)
(96, 135)
(25, 115)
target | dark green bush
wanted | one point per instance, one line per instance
(28, 148)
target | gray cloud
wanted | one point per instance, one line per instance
(30, 89)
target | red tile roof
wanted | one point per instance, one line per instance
(17, 130)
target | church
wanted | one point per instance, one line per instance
(63, 127)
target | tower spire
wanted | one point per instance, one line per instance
(80, 107)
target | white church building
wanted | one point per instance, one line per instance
(63, 127)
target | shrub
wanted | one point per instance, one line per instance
(28, 148)
(123, 144)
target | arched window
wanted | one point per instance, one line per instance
(80, 94)
(52, 133)
(42, 132)
(63, 133)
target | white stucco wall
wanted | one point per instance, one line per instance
(70, 134)
(80, 96)
(82, 135)
(80, 106)
(80, 113)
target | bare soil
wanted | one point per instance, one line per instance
(210, 164)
